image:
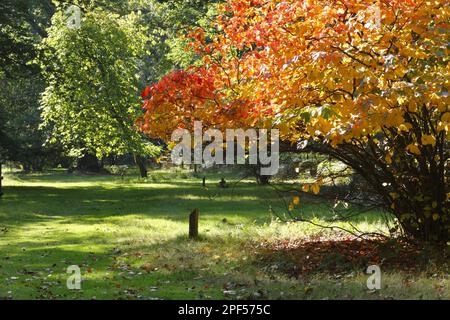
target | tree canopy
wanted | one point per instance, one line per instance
(22, 26)
(92, 75)
(366, 83)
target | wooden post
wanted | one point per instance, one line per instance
(204, 182)
(193, 224)
(1, 178)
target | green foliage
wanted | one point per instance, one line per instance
(92, 95)
(168, 22)
(93, 75)
(22, 26)
(22, 137)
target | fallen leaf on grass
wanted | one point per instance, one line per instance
(229, 292)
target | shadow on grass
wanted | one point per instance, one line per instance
(246, 200)
(161, 202)
(304, 258)
(177, 268)
(215, 268)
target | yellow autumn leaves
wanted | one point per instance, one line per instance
(295, 202)
(307, 187)
(426, 139)
(413, 148)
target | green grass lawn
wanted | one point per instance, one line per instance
(129, 238)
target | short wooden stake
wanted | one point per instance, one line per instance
(193, 224)
(1, 178)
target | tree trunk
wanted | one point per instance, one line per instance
(414, 192)
(260, 179)
(26, 168)
(140, 162)
(88, 163)
(193, 224)
(263, 180)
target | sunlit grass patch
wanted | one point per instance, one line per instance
(129, 238)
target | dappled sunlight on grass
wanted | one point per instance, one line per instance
(130, 240)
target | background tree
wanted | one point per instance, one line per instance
(114, 53)
(22, 26)
(91, 99)
(168, 23)
(22, 118)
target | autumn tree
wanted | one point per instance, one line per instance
(365, 82)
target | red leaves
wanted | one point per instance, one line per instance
(268, 59)
(176, 99)
(145, 92)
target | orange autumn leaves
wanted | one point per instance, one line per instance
(184, 96)
(327, 70)
(322, 60)
(175, 101)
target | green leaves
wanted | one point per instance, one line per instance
(92, 96)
